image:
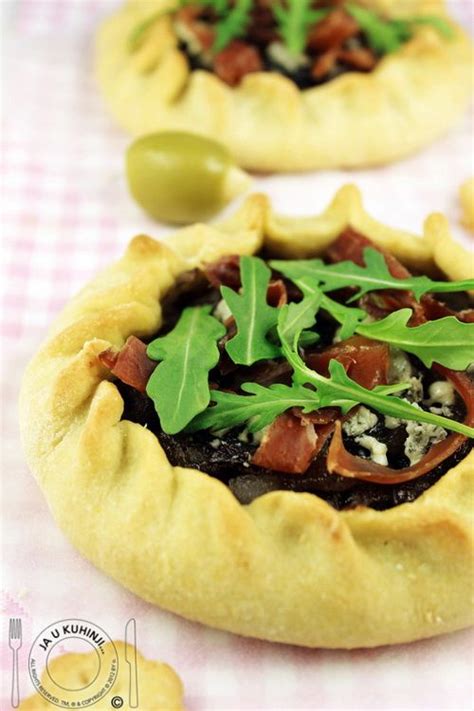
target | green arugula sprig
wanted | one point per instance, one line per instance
(294, 19)
(341, 391)
(258, 409)
(311, 391)
(347, 316)
(256, 319)
(233, 23)
(374, 276)
(385, 36)
(179, 385)
(253, 316)
(302, 315)
(447, 340)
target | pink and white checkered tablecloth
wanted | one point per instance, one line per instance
(66, 213)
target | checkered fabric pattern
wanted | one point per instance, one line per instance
(66, 213)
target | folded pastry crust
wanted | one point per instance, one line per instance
(409, 99)
(466, 198)
(288, 567)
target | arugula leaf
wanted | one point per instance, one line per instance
(349, 317)
(312, 391)
(294, 22)
(256, 320)
(254, 317)
(299, 316)
(383, 36)
(373, 276)
(233, 24)
(447, 340)
(339, 390)
(259, 410)
(266, 403)
(179, 385)
(388, 35)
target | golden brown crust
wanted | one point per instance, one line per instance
(466, 197)
(288, 567)
(159, 687)
(267, 122)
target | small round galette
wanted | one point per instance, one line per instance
(266, 425)
(290, 85)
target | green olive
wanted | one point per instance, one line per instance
(182, 177)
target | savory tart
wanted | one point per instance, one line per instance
(297, 85)
(159, 687)
(266, 425)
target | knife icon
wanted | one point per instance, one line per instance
(131, 659)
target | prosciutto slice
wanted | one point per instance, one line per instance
(131, 364)
(366, 361)
(342, 462)
(290, 444)
(350, 245)
(224, 272)
(295, 439)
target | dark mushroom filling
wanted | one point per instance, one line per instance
(306, 452)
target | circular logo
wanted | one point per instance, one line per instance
(55, 669)
(116, 702)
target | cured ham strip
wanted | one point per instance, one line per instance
(131, 364)
(331, 33)
(224, 272)
(362, 59)
(290, 444)
(324, 65)
(435, 309)
(350, 245)
(236, 61)
(342, 462)
(366, 361)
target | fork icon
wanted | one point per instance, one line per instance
(14, 643)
